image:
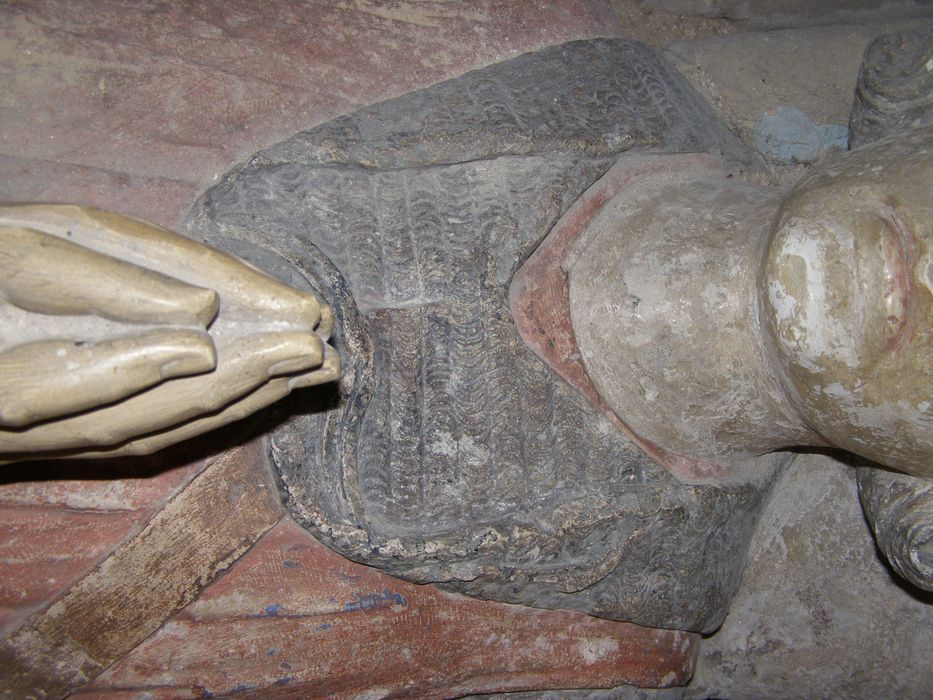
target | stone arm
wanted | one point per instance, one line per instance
(118, 337)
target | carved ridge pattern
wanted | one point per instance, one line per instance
(455, 455)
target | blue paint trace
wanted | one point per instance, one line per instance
(321, 628)
(375, 601)
(242, 687)
(291, 564)
(787, 135)
(271, 610)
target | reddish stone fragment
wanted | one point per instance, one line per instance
(137, 484)
(145, 579)
(294, 620)
(44, 550)
(540, 303)
(54, 530)
(161, 201)
(127, 105)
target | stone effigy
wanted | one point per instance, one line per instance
(551, 283)
(451, 454)
(721, 320)
(119, 337)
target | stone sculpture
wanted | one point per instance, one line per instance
(720, 319)
(895, 86)
(715, 333)
(894, 95)
(119, 337)
(451, 454)
(900, 510)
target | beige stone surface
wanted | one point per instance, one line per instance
(706, 353)
(848, 301)
(662, 287)
(818, 615)
(746, 75)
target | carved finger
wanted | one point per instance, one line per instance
(170, 253)
(268, 393)
(45, 274)
(326, 326)
(329, 371)
(242, 368)
(54, 378)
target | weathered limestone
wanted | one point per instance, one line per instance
(895, 86)
(664, 294)
(117, 337)
(719, 320)
(899, 509)
(847, 297)
(819, 614)
(660, 285)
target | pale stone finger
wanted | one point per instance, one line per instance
(326, 326)
(42, 273)
(52, 378)
(267, 394)
(247, 364)
(270, 392)
(170, 253)
(329, 371)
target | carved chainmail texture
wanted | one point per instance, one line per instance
(450, 453)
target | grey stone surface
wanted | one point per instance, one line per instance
(895, 85)
(819, 614)
(900, 510)
(451, 454)
(794, 13)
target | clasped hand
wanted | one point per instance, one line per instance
(118, 337)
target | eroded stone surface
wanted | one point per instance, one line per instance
(819, 614)
(294, 620)
(661, 290)
(539, 298)
(847, 300)
(452, 454)
(895, 86)
(794, 13)
(136, 106)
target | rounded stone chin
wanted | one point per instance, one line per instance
(847, 307)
